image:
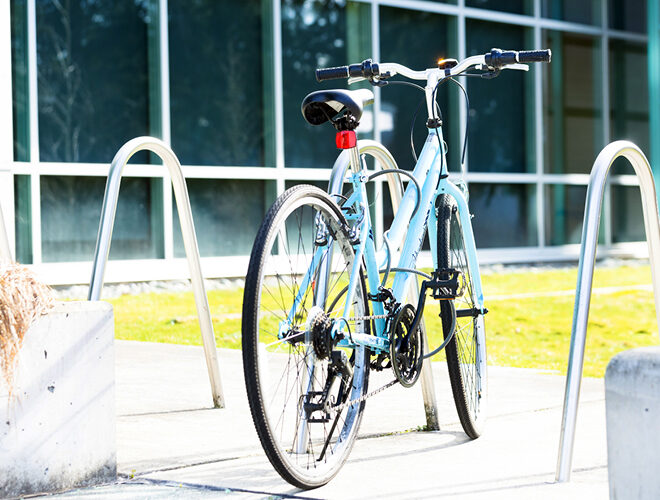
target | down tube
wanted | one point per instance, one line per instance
(468, 236)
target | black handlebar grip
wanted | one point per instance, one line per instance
(529, 56)
(498, 58)
(323, 74)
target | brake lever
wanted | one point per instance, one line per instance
(520, 67)
(356, 79)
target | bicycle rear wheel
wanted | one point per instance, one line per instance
(466, 352)
(295, 286)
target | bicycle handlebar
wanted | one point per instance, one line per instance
(366, 69)
(495, 59)
(498, 58)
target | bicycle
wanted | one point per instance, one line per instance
(314, 325)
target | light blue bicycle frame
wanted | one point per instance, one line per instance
(431, 173)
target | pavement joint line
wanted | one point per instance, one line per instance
(207, 487)
(166, 412)
(185, 466)
(460, 489)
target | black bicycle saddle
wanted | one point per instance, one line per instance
(323, 105)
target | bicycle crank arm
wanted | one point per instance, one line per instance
(371, 341)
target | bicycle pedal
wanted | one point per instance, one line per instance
(446, 284)
(310, 408)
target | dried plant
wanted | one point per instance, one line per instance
(22, 299)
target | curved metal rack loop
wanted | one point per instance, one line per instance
(189, 241)
(590, 227)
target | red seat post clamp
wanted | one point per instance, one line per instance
(346, 139)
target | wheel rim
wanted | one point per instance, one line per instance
(311, 451)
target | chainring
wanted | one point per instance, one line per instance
(406, 347)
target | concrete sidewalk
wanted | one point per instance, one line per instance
(171, 443)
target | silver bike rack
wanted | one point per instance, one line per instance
(385, 159)
(590, 226)
(189, 240)
(5, 250)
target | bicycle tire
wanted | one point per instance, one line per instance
(466, 352)
(277, 382)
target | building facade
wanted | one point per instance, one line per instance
(222, 82)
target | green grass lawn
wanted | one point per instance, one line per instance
(530, 332)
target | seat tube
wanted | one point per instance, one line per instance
(345, 140)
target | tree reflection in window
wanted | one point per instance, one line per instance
(92, 77)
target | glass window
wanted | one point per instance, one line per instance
(71, 210)
(404, 37)
(627, 216)
(93, 78)
(564, 212)
(501, 128)
(19, 65)
(504, 215)
(227, 215)
(216, 82)
(573, 125)
(627, 15)
(584, 12)
(515, 6)
(629, 97)
(23, 219)
(317, 34)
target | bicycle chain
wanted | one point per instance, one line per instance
(338, 408)
(368, 318)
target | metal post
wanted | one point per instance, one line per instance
(591, 222)
(189, 240)
(5, 250)
(385, 159)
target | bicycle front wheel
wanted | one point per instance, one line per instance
(300, 384)
(466, 352)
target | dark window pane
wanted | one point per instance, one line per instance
(71, 210)
(23, 219)
(584, 12)
(501, 137)
(627, 216)
(19, 63)
(227, 215)
(515, 6)
(317, 34)
(216, 80)
(629, 97)
(573, 102)
(400, 34)
(504, 215)
(627, 15)
(564, 212)
(93, 78)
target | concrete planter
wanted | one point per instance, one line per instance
(632, 397)
(57, 430)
